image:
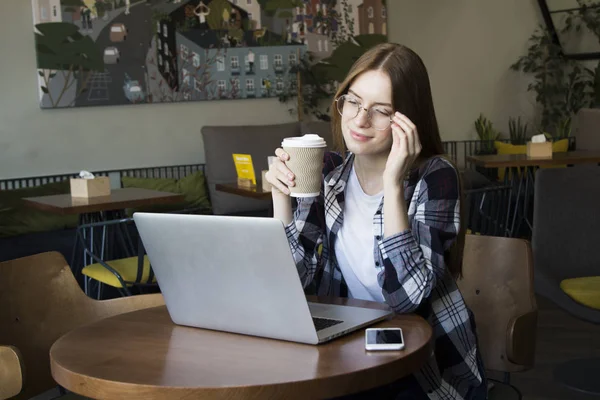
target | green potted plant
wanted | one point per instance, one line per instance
(517, 131)
(487, 135)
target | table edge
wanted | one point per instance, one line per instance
(75, 382)
(91, 208)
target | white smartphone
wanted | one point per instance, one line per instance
(384, 339)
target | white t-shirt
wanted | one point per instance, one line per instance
(354, 243)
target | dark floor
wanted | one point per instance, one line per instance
(561, 337)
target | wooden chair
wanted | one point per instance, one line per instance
(39, 302)
(11, 372)
(497, 285)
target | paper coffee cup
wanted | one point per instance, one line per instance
(306, 163)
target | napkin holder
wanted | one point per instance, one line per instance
(539, 150)
(88, 188)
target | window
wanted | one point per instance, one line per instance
(278, 61)
(371, 28)
(264, 61)
(183, 50)
(297, 10)
(160, 61)
(222, 85)
(196, 60)
(235, 84)
(279, 85)
(324, 8)
(320, 45)
(349, 7)
(250, 85)
(167, 69)
(185, 76)
(292, 59)
(166, 49)
(165, 31)
(326, 44)
(220, 63)
(248, 2)
(187, 96)
(43, 13)
(235, 62)
(370, 12)
(158, 27)
(383, 12)
(198, 85)
(54, 12)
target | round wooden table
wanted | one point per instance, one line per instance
(143, 355)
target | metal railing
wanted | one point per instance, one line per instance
(170, 171)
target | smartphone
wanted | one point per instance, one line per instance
(384, 339)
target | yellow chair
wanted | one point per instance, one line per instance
(585, 290)
(114, 259)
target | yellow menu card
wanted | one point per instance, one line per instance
(244, 167)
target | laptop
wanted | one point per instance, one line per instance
(237, 274)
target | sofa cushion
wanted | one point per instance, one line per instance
(17, 219)
(584, 290)
(220, 142)
(192, 186)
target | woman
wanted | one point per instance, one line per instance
(388, 217)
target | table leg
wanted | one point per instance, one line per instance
(516, 180)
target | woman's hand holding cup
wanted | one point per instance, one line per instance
(279, 175)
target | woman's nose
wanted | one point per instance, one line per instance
(362, 118)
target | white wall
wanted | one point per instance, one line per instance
(39, 142)
(467, 46)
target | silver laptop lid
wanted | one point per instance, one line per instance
(233, 274)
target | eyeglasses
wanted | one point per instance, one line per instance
(349, 106)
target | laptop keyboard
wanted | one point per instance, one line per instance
(322, 323)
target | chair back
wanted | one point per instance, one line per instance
(566, 218)
(497, 285)
(40, 301)
(11, 372)
(487, 209)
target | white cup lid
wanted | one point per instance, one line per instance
(308, 140)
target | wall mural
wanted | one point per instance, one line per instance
(113, 52)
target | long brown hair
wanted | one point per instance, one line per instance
(411, 95)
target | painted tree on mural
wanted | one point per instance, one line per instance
(63, 51)
(319, 79)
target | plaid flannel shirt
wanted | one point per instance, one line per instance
(410, 265)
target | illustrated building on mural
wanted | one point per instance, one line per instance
(46, 11)
(349, 23)
(313, 25)
(203, 63)
(372, 18)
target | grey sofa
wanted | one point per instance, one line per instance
(565, 233)
(260, 141)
